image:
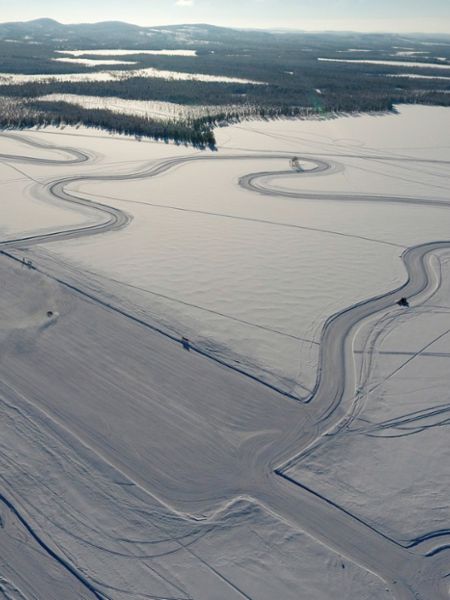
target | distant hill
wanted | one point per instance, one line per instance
(115, 33)
(107, 34)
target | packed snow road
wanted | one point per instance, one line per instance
(190, 466)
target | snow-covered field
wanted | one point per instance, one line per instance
(135, 52)
(150, 72)
(391, 63)
(143, 108)
(394, 449)
(92, 62)
(409, 52)
(415, 76)
(139, 469)
(303, 260)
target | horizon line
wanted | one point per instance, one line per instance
(235, 27)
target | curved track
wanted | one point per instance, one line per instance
(411, 573)
(78, 156)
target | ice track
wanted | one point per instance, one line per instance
(415, 571)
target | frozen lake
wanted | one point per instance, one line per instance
(135, 52)
(150, 72)
(391, 63)
(150, 471)
(144, 108)
(250, 278)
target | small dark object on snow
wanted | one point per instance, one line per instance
(403, 302)
(186, 343)
(50, 314)
(296, 164)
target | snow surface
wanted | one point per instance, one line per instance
(85, 458)
(302, 263)
(138, 469)
(143, 108)
(414, 76)
(91, 62)
(22, 213)
(393, 454)
(410, 52)
(150, 72)
(135, 52)
(391, 63)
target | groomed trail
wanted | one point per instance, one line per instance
(415, 571)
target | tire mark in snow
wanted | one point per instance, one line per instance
(400, 423)
(78, 156)
(119, 219)
(205, 309)
(411, 358)
(59, 559)
(155, 328)
(251, 182)
(254, 220)
(11, 591)
(407, 353)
